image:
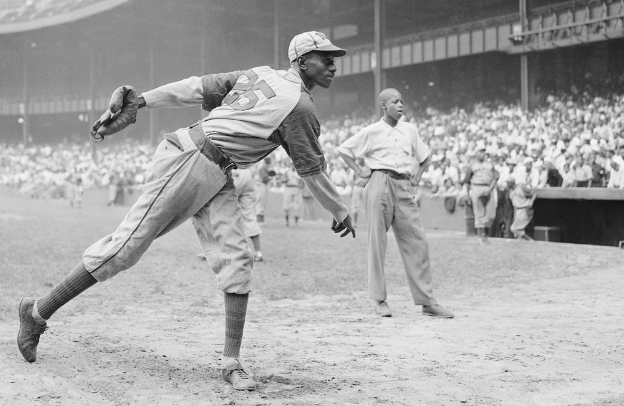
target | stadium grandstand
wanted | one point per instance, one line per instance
(527, 77)
(62, 58)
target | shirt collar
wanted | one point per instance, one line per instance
(389, 127)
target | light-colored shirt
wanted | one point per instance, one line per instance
(481, 173)
(616, 178)
(568, 179)
(583, 173)
(382, 146)
(532, 178)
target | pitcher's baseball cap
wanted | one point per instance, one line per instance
(312, 41)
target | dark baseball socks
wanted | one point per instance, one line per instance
(71, 286)
(80, 280)
(235, 311)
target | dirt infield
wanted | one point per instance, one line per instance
(537, 323)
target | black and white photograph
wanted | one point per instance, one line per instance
(312, 202)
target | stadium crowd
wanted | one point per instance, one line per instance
(570, 140)
(46, 171)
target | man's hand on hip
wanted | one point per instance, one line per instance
(365, 173)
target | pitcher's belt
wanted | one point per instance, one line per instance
(195, 138)
(393, 174)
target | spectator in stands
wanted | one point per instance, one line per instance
(340, 177)
(616, 175)
(569, 178)
(550, 176)
(526, 174)
(582, 172)
(435, 173)
(598, 172)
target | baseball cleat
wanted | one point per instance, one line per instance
(236, 375)
(435, 310)
(382, 309)
(29, 332)
(258, 257)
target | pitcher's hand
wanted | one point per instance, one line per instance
(346, 225)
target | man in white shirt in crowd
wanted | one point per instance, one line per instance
(526, 173)
(616, 171)
(582, 172)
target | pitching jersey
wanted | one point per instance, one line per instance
(481, 174)
(251, 114)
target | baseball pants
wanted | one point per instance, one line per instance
(261, 197)
(246, 191)
(484, 214)
(357, 199)
(181, 185)
(292, 201)
(390, 203)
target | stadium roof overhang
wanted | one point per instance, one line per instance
(79, 12)
(568, 25)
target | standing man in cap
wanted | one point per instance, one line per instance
(263, 173)
(480, 181)
(395, 157)
(252, 113)
(526, 174)
(526, 179)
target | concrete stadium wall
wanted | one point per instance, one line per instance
(434, 215)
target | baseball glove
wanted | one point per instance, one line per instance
(122, 112)
(484, 198)
(464, 200)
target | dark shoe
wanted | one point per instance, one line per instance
(435, 310)
(29, 332)
(382, 309)
(236, 375)
(201, 256)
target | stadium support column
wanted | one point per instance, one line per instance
(524, 61)
(524, 82)
(380, 76)
(276, 35)
(91, 106)
(152, 117)
(202, 55)
(25, 94)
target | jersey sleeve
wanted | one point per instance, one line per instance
(323, 190)
(216, 87)
(298, 135)
(183, 93)
(207, 91)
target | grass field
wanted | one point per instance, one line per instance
(536, 323)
